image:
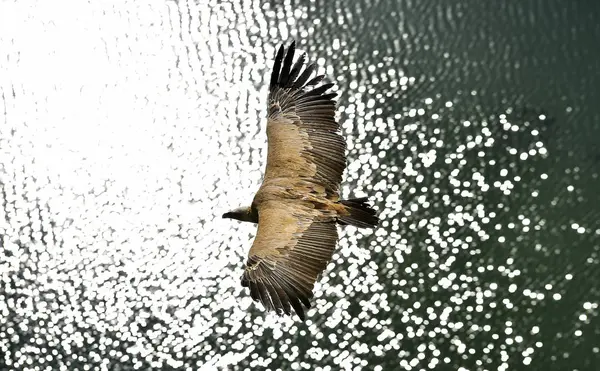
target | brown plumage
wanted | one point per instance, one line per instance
(298, 205)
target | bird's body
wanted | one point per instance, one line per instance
(298, 204)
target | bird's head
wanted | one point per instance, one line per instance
(243, 214)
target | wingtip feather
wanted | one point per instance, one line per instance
(287, 74)
(276, 68)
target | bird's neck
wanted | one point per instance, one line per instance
(247, 215)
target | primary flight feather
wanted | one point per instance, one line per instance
(298, 204)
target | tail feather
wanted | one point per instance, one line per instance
(362, 215)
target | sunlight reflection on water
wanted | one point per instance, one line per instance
(129, 130)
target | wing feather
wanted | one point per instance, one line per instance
(318, 91)
(284, 77)
(304, 76)
(297, 68)
(276, 69)
(315, 80)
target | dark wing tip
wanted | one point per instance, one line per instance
(276, 299)
(282, 67)
(274, 292)
(288, 74)
(286, 69)
(276, 68)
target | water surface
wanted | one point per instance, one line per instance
(128, 129)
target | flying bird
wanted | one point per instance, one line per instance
(298, 205)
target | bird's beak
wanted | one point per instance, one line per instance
(227, 215)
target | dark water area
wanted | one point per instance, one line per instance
(128, 130)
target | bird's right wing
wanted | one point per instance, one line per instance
(290, 250)
(303, 135)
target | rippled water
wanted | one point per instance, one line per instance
(128, 129)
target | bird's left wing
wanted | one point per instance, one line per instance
(292, 247)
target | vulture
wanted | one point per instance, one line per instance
(298, 206)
